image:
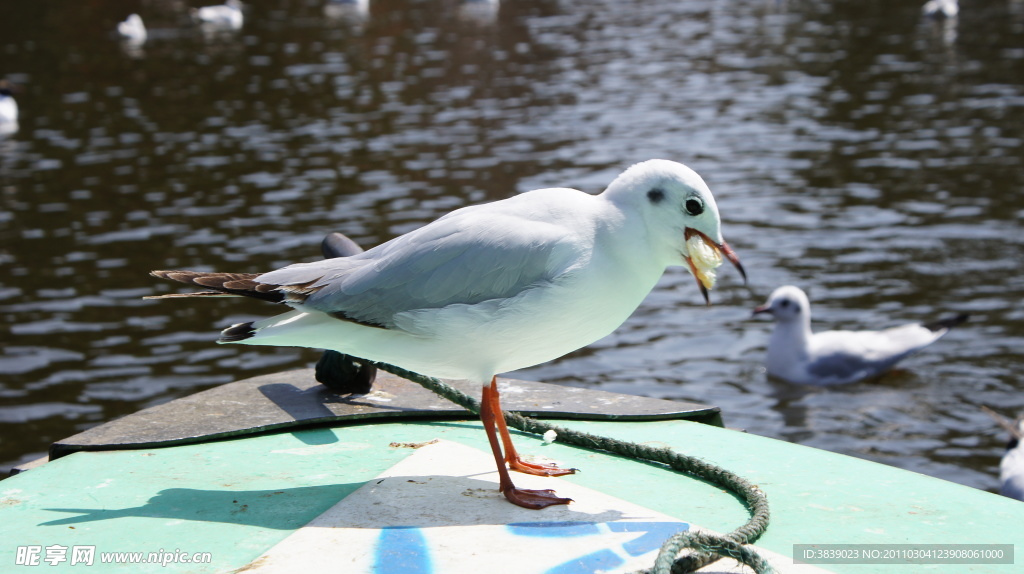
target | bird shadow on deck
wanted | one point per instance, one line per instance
(285, 508)
(291, 508)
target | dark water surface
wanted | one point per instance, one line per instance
(871, 157)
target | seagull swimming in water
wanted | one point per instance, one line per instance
(836, 357)
(8, 110)
(132, 29)
(228, 15)
(941, 8)
(1011, 467)
(493, 288)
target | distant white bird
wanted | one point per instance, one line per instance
(493, 288)
(479, 11)
(132, 29)
(1011, 468)
(836, 357)
(352, 10)
(228, 15)
(941, 8)
(8, 110)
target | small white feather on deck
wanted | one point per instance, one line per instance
(412, 518)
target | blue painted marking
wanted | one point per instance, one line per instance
(600, 561)
(652, 536)
(655, 534)
(402, 550)
(553, 529)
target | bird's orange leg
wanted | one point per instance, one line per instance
(535, 499)
(511, 456)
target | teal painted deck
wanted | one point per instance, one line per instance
(237, 498)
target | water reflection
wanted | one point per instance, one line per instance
(855, 151)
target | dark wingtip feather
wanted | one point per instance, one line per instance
(237, 332)
(947, 323)
(339, 245)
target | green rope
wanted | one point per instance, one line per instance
(699, 549)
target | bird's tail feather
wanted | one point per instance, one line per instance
(223, 285)
(195, 294)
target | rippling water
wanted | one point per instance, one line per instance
(857, 150)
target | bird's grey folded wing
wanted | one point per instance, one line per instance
(909, 338)
(839, 366)
(445, 263)
(845, 356)
(860, 354)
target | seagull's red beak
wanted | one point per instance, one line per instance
(704, 256)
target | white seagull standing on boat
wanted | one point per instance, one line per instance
(132, 29)
(836, 357)
(227, 15)
(1011, 467)
(493, 288)
(8, 110)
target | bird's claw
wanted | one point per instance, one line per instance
(533, 499)
(538, 469)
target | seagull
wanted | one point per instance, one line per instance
(8, 110)
(227, 15)
(347, 9)
(492, 288)
(132, 29)
(941, 8)
(479, 11)
(836, 357)
(1011, 468)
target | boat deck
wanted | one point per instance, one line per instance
(277, 498)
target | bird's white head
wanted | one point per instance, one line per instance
(680, 213)
(8, 109)
(787, 304)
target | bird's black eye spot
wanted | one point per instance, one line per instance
(784, 303)
(694, 206)
(656, 195)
